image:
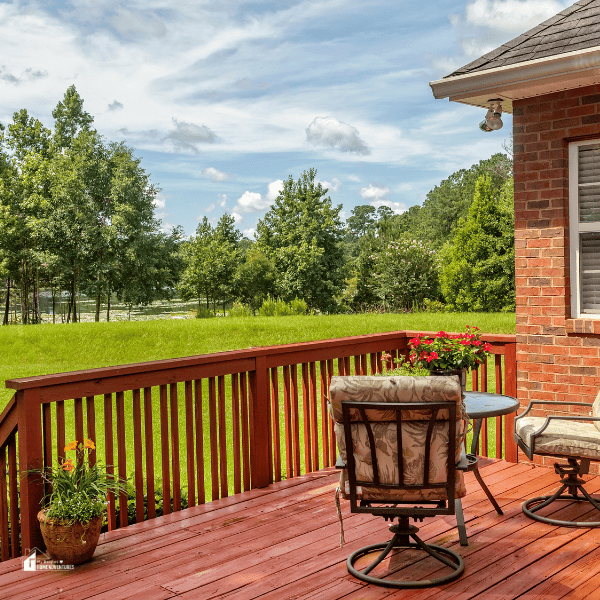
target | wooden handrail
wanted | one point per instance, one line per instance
(259, 412)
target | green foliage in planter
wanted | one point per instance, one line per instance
(78, 487)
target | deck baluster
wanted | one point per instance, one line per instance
(199, 441)
(137, 456)
(189, 443)
(175, 462)
(109, 457)
(149, 451)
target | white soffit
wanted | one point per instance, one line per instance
(522, 80)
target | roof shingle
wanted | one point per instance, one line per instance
(575, 28)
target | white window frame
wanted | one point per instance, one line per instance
(576, 229)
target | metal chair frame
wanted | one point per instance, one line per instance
(571, 472)
(389, 509)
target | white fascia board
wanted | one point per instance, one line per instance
(507, 81)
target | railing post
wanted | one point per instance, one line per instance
(30, 457)
(510, 389)
(259, 424)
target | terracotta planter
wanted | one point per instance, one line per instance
(73, 543)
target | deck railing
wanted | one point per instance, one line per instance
(197, 428)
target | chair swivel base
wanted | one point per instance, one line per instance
(534, 504)
(401, 540)
(574, 483)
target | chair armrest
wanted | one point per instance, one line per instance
(555, 402)
(559, 418)
(339, 463)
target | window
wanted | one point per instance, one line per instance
(584, 219)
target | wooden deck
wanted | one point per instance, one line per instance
(282, 543)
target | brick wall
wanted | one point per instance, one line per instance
(558, 358)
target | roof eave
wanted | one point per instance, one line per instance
(522, 80)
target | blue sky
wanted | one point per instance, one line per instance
(224, 99)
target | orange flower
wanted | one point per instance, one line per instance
(89, 444)
(68, 465)
(71, 446)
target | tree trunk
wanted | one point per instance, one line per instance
(53, 305)
(108, 307)
(24, 301)
(7, 305)
(74, 299)
(97, 316)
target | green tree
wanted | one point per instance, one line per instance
(73, 210)
(254, 279)
(301, 235)
(478, 272)
(406, 273)
(210, 258)
(449, 201)
(24, 193)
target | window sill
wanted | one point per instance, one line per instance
(587, 325)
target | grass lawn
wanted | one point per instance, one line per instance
(43, 349)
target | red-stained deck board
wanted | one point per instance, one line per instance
(283, 542)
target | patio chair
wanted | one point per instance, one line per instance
(574, 438)
(420, 419)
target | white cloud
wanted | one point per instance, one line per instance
(274, 188)
(374, 193)
(511, 15)
(397, 207)
(26, 76)
(334, 186)
(115, 105)
(238, 218)
(328, 131)
(249, 233)
(160, 200)
(166, 227)
(185, 136)
(250, 202)
(215, 175)
(354, 178)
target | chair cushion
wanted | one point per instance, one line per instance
(361, 388)
(566, 438)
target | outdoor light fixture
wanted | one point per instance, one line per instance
(492, 121)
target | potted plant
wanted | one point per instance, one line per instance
(449, 354)
(74, 507)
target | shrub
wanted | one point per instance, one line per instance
(279, 308)
(204, 313)
(240, 310)
(298, 306)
